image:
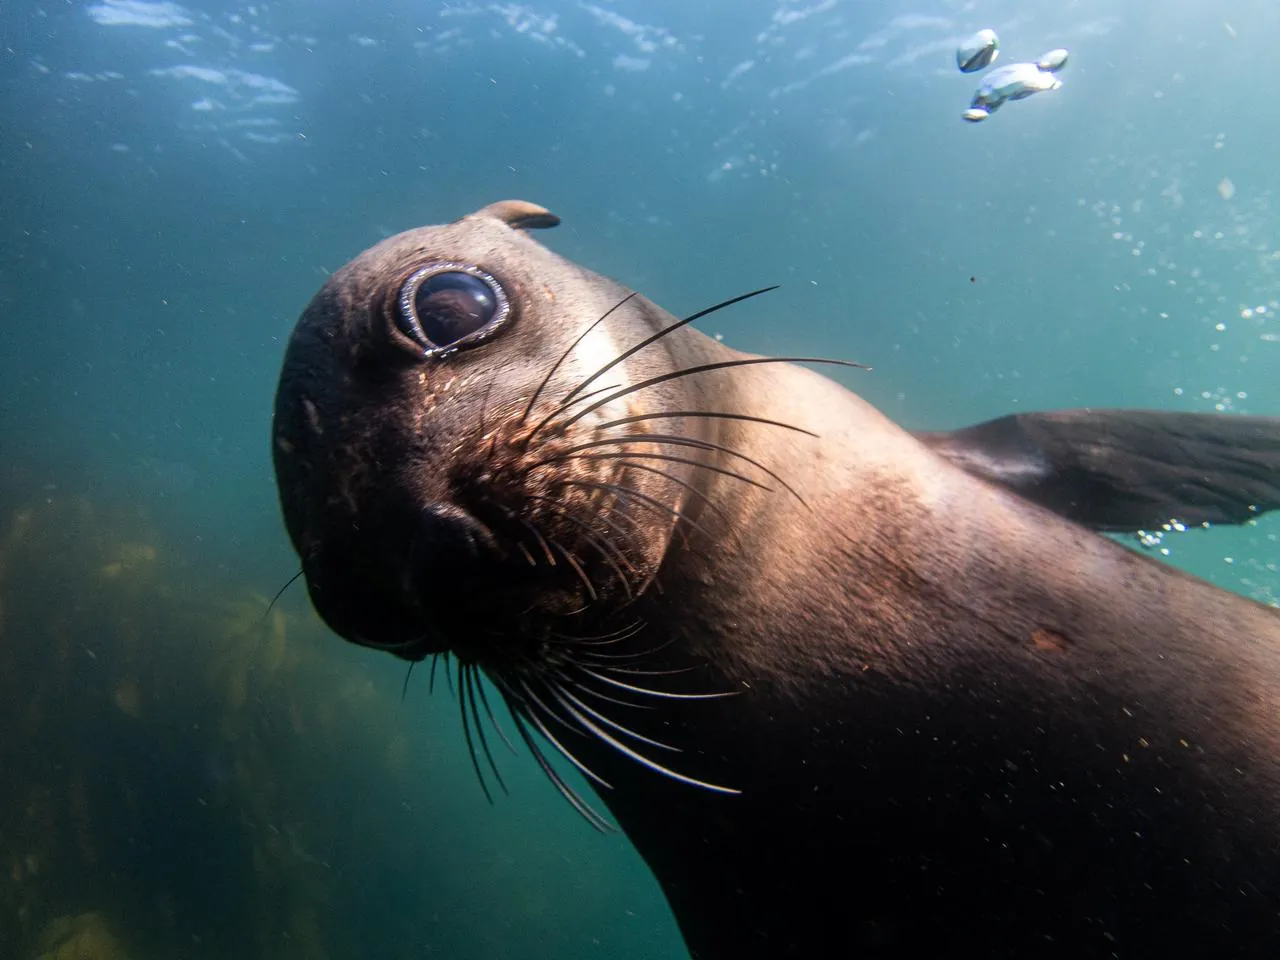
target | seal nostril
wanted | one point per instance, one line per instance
(446, 539)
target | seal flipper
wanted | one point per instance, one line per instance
(1126, 470)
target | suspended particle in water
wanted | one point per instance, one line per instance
(1226, 189)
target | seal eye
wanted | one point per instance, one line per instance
(447, 306)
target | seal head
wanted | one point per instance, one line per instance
(427, 478)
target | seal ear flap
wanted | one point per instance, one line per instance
(517, 214)
(1127, 470)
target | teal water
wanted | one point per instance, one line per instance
(184, 779)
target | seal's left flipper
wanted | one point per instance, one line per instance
(1126, 470)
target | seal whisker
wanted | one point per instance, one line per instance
(596, 392)
(618, 512)
(646, 673)
(587, 812)
(404, 687)
(546, 548)
(431, 677)
(448, 677)
(471, 681)
(466, 733)
(594, 539)
(484, 700)
(596, 655)
(583, 688)
(561, 359)
(701, 368)
(672, 458)
(640, 758)
(642, 497)
(604, 518)
(577, 647)
(567, 700)
(678, 441)
(484, 409)
(603, 638)
(621, 492)
(653, 338)
(655, 693)
(631, 457)
(582, 398)
(577, 568)
(567, 640)
(704, 414)
(532, 701)
(533, 718)
(287, 584)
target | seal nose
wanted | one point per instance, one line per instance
(396, 587)
(446, 543)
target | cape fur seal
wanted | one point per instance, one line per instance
(850, 691)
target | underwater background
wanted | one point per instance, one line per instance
(182, 776)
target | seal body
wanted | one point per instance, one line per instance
(849, 690)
